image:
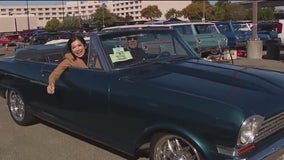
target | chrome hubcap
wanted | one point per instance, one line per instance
(17, 106)
(175, 148)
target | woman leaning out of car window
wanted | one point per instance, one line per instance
(75, 57)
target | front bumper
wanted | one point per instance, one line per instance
(270, 151)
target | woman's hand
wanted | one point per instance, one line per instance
(50, 88)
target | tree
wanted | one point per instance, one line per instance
(173, 13)
(194, 11)
(53, 25)
(266, 13)
(151, 12)
(71, 23)
(103, 18)
(235, 11)
(222, 3)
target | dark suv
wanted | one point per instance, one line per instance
(44, 37)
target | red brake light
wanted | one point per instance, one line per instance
(279, 27)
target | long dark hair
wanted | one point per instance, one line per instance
(82, 40)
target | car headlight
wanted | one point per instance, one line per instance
(249, 130)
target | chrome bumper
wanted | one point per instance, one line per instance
(269, 151)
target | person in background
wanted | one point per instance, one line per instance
(76, 57)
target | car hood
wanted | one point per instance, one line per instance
(252, 90)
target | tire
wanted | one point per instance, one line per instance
(173, 147)
(18, 109)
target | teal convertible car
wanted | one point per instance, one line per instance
(165, 103)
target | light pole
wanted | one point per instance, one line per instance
(254, 45)
(103, 14)
(15, 22)
(62, 8)
(28, 17)
(203, 17)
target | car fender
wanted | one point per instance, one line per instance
(151, 131)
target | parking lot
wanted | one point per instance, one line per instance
(46, 142)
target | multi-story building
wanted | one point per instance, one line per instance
(133, 8)
(42, 14)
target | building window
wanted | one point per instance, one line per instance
(3, 10)
(47, 18)
(40, 19)
(40, 9)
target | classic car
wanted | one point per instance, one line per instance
(168, 105)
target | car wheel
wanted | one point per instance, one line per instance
(18, 109)
(168, 146)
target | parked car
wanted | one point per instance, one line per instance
(44, 37)
(11, 39)
(280, 30)
(204, 37)
(266, 31)
(268, 28)
(237, 33)
(170, 104)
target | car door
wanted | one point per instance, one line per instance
(80, 101)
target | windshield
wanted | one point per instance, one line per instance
(241, 27)
(205, 28)
(137, 47)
